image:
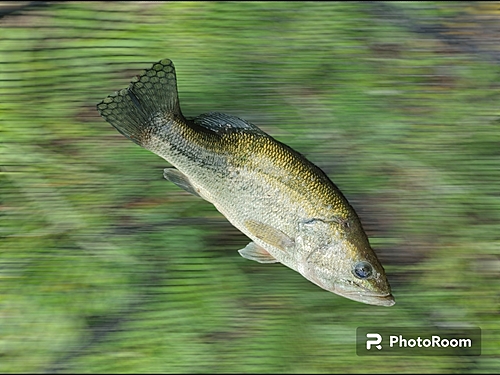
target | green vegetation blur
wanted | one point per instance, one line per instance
(107, 267)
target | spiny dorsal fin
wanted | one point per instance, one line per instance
(132, 110)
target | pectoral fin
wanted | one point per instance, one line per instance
(270, 235)
(254, 252)
(180, 179)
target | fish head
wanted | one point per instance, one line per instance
(336, 255)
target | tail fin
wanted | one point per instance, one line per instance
(132, 110)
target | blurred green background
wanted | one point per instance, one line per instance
(107, 267)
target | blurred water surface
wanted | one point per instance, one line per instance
(106, 267)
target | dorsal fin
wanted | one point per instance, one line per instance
(221, 123)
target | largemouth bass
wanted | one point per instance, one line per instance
(293, 213)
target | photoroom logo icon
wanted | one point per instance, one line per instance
(450, 341)
(376, 342)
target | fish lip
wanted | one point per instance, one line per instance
(358, 293)
(371, 298)
(383, 300)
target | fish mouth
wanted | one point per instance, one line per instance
(370, 298)
(359, 294)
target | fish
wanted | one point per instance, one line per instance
(289, 208)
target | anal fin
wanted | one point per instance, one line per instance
(254, 252)
(181, 180)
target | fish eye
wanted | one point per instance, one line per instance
(362, 270)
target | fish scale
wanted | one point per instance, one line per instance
(293, 213)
